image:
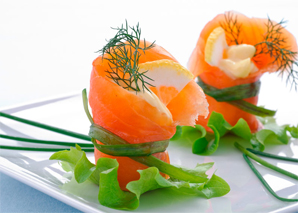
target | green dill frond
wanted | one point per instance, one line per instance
(123, 52)
(232, 28)
(274, 45)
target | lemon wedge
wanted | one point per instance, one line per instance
(215, 46)
(168, 79)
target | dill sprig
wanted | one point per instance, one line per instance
(274, 44)
(232, 28)
(123, 52)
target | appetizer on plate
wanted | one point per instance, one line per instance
(232, 53)
(139, 93)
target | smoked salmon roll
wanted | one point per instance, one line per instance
(232, 53)
(139, 92)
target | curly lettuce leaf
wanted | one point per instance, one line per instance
(205, 143)
(75, 160)
(273, 133)
(151, 179)
(215, 187)
(293, 131)
(110, 194)
(104, 174)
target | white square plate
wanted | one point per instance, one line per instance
(33, 168)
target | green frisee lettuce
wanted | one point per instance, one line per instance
(104, 174)
(205, 143)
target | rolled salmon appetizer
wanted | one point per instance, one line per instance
(232, 53)
(139, 92)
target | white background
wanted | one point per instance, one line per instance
(47, 47)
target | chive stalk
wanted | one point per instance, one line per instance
(40, 149)
(108, 138)
(273, 156)
(169, 169)
(235, 95)
(85, 104)
(60, 143)
(140, 149)
(265, 163)
(264, 182)
(47, 127)
(252, 109)
(238, 92)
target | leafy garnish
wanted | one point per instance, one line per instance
(104, 174)
(204, 143)
(151, 179)
(123, 52)
(110, 194)
(293, 131)
(273, 133)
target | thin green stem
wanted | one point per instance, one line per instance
(140, 149)
(265, 163)
(47, 127)
(252, 109)
(172, 171)
(60, 143)
(233, 93)
(108, 138)
(85, 103)
(272, 156)
(264, 182)
(39, 149)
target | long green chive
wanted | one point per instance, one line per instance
(235, 95)
(47, 127)
(85, 104)
(150, 161)
(140, 149)
(169, 169)
(252, 109)
(265, 163)
(60, 143)
(264, 182)
(272, 156)
(238, 92)
(39, 149)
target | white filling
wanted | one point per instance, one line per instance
(238, 63)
